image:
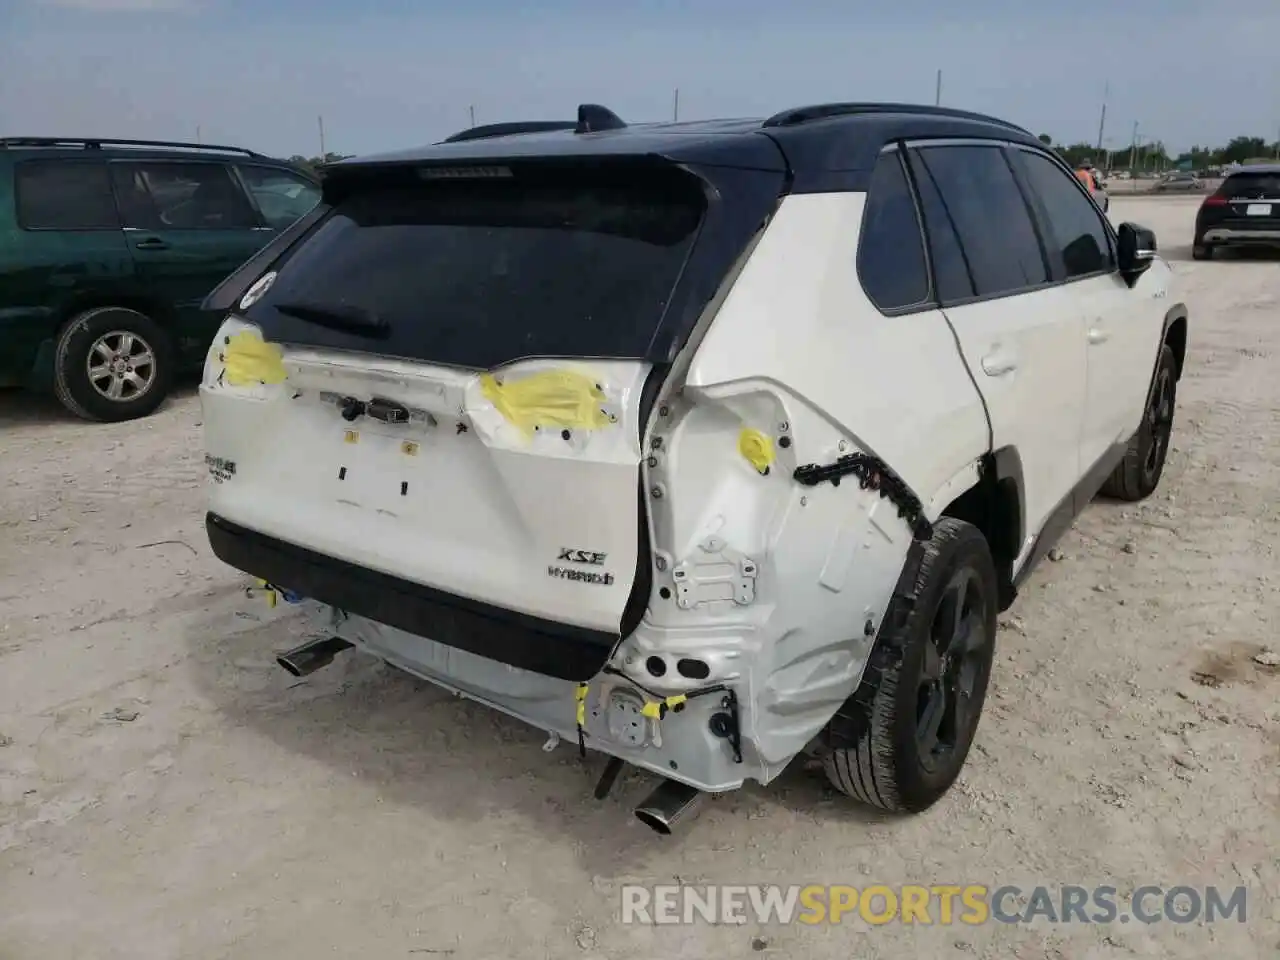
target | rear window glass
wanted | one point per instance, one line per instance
(1253, 185)
(476, 274)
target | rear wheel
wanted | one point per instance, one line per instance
(1202, 251)
(927, 683)
(112, 364)
(1138, 474)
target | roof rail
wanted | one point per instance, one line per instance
(593, 117)
(97, 143)
(823, 111)
(511, 128)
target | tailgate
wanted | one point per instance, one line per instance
(519, 490)
(1253, 200)
(452, 392)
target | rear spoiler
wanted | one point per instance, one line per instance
(227, 294)
(509, 129)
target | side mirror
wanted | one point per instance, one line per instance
(1135, 250)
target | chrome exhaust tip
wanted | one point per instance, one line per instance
(312, 655)
(667, 805)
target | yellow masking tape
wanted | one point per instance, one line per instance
(563, 399)
(756, 449)
(655, 709)
(251, 360)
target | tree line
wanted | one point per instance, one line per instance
(1153, 156)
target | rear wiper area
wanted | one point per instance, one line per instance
(355, 320)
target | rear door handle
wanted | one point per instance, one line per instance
(1098, 335)
(152, 243)
(999, 362)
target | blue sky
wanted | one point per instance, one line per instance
(394, 73)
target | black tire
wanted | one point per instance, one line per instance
(891, 765)
(1138, 474)
(134, 352)
(1201, 251)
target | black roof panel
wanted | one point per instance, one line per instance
(721, 143)
(827, 147)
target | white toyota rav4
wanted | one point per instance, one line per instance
(702, 445)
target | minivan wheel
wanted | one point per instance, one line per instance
(112, 364)
(1138, 474)
(1201, 251)
(927, 682)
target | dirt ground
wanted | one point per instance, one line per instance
(167, 791)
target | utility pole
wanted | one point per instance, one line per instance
(320, 124)
(198, 140)
(1133, 150)
(675, 107)
(937, 91)
(472, 111)
(1102, 120)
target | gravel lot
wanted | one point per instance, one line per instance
(166, 791)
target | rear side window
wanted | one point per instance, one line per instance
(990, 215)
(479, 273)
(64, 195)
(1252, 186)
(951, 277)
(891, 262)
(1078, 241)
(181, 196)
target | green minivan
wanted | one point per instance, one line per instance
(108, 248)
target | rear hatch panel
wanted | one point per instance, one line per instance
(454, 444)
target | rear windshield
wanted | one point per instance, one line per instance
(1252, 185)
(480, 273)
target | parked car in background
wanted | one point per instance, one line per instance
(1178, 182)
(1244, 211)
(108, 247)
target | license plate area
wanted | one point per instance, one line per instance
(1258, 210)
(375, 466)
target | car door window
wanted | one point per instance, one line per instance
(891, 261)
(64, 195)
(977, 188)
(1078, 242)
(951, 278)
(281, 195)
(182, 196)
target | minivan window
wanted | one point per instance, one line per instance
(159, 195)
(64, 195)
(990, 217)
(476, 273)
(1078, 241)
(891, 262)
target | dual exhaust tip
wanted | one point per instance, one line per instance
(669, 804)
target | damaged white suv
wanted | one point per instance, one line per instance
(704, 445)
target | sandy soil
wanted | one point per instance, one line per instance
(166, 791)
